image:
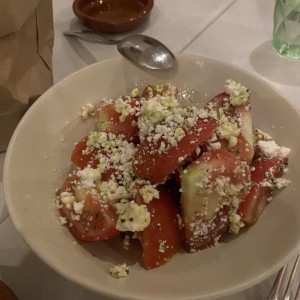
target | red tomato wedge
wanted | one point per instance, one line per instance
(161, 239)
(108, 120)
(243, 116)
(154, 166)
(257, 198)
(98, 219)
(245, 144)
(211, 185)
(80, 159)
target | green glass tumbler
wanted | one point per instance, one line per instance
(286, 31)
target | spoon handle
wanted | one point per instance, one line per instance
(90, 36)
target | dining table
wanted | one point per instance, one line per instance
(238, 32)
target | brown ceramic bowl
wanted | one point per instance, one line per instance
(112, 16)
(6, 293)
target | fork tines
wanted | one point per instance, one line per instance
(292, 289)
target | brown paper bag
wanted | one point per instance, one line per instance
(26, 43)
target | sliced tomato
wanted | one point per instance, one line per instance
(206, 206)
(161, 239)
(83, 156)
(217, 101)
(243, 116)
(80, 158)
(108, 120)
(154, 166)
(245, 144)
(98, 218)
(257, 198)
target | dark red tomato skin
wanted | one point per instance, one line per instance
(245, 145)
(257, 198)
(220, 226)
(82, 160)
(156, 167)
(161, 239)
(244, 148)
(97, 221)
(217, 100)
(222, 163)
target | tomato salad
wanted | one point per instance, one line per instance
(169, 175)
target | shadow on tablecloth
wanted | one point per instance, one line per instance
(269, 64)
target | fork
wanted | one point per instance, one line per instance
(278, 284)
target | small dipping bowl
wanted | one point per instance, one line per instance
(112, 16)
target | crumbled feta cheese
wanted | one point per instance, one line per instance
(238, 94)
(87, 110)
(202, 113)
(162, 246)
(63, 220)
(215, 146)
(132, 217)
(179, 134)
(88, 177)
(111, 191)
(271, 150)
(228, 130)
(224, 187)
(78, 207)
(115, 156)
(67, 198)
(261, 135)
(181, 159)
(189, 122)
(75, 217)
(162, 119)
(235, 223)
(124, 107)
(281, 183)
(119, 271)
(179, 119)
(266, 183)
(135, 92)
(96, 138)
(148, 192)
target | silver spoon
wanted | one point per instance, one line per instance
(143, 50)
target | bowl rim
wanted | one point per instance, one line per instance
(225, 292)
(114, 21)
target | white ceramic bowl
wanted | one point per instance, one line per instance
(37, 162)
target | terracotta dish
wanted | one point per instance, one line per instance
(6, 293)
(112, 16)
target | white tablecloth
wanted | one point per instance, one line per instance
(236, 31)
